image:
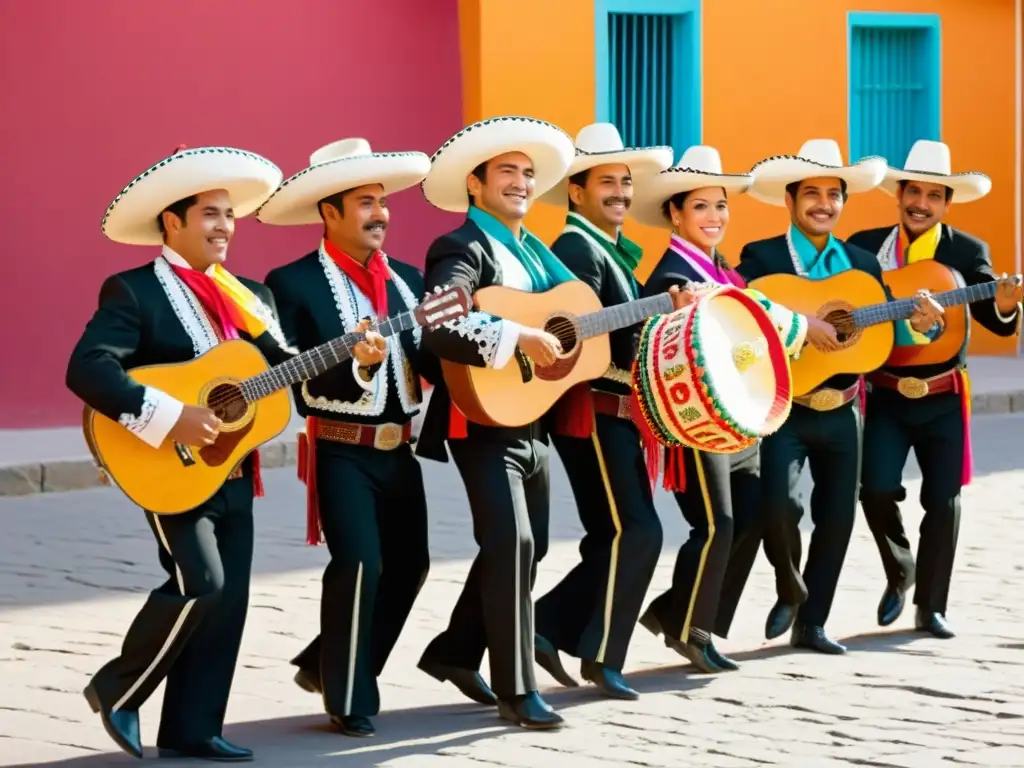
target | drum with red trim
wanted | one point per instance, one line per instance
(713, 376)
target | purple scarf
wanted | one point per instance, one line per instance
(705, 267)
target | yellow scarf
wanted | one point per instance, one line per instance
(922, 248)
(242, 298)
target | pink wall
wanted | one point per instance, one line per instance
(95, 92)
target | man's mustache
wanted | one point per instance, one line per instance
(614, 200)
(371, 224)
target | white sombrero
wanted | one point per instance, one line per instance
(929, 161)
(547, 145)
(338, 167)
(699, 167)
(248, 178)
(601, 144)
(817, 157)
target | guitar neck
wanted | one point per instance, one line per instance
(311, 363)
(901, 309)
(624, 315)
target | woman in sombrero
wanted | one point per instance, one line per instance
(717, 493)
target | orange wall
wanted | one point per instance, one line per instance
(536, 57)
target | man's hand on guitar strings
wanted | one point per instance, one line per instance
(927, 312)
(542, 347)
(196, 426)
(821, 334)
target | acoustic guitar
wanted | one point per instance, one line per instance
(521, 391)
(939, 280)
(862, 317)
(251, 399)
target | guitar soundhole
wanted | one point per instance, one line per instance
(228, 402)
(839, 315)
(563, 329)
(567, 331)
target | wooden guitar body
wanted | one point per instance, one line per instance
(173, 479)
(521, 392)
(935, 277)
(832, 299)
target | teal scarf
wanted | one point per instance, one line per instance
(543, 267)
(831, 261)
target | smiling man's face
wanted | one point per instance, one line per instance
(605, 195)
(922, 205)
(816, 206)
(506, 191)
(203, 235)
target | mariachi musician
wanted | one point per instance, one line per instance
(491, 171)
(824, 428)
(591, 612)
(718, 494)
(364, 486)
(926, 407)
(172, 310)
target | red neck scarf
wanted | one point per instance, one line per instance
(212, 299)
(226, 315)
(371, 280)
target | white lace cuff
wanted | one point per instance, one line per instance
(506, 346)
(157, 416)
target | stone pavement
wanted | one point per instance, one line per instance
(74, 568)
(54, 460)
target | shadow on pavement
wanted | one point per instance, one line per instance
(308, 740)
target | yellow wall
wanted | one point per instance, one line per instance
(773, 77)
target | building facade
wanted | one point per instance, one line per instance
(756, 79)
(95, 92)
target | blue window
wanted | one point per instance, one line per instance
(895, 80)
(648, 58)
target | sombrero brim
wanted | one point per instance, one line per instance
(248, 178)
(548, 146)
(641, 161)
(652, 193)
(967, 187)
(772, 176)
(295, 201)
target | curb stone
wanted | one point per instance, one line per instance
(78, 474)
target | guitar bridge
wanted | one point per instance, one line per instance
(185, 454)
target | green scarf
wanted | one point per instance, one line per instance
(543, 267)
(624, 252)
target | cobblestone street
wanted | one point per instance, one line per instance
(74, 568)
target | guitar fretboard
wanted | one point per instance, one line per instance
(313, 362)
(624, 315)
(901, 309)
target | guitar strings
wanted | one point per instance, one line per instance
(390, 326)
(235, 394)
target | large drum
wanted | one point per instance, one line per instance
(713, 376)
